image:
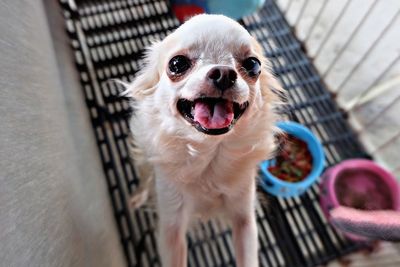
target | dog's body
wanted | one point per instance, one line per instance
(200, 132)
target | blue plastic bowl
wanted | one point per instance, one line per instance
(278, 187)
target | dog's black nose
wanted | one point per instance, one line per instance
(223, 77)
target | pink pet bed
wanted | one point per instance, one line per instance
(361, 198)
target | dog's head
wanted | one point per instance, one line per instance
(208, 75)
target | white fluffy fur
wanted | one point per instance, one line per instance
(197, 174)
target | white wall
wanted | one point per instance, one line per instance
(54, 206)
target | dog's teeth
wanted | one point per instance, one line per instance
(192, 110)
(243, 105)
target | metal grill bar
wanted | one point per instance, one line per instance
(379, 114)
(303, 8)
(350, 39)
(366, 54)
(387, 69)
(388, 142)
(288, 6)
(332, 28)
(316, 20)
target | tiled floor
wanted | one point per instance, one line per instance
(386, 255)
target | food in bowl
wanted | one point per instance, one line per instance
(294, 161)
(301, 182)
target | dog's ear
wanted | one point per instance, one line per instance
(147, 78)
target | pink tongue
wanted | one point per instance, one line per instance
(221, 116)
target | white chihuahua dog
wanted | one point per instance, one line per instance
(203, 119)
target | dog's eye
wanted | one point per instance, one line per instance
(179, 64)
(252, 65)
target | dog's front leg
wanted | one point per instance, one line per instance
(244, 228)
(245, 241)
(173, 219)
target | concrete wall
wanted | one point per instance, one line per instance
(54, 207)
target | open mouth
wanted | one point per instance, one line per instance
(213, 116)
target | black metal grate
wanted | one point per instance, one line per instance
(108, 38)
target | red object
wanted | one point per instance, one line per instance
(183, 12)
